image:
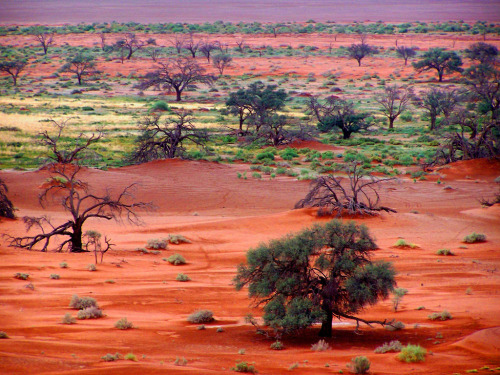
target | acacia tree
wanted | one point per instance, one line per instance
(6, 206)
(394, 100)
(334, 112)
(160, 140)
(483, 53)
(431, 101)
(221, 62)
(177, 42)
(44, 37)
(191, 46)
(440, 60)
(360, 50)
(406, 53)
(207, 47)
(131, 44)
(318, 274)
(81, 65)
(484, 82)
(13, 67)
(177, 74)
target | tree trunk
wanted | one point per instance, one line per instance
(178, 95)
(406, 61)
(76, 239)
(359, 62)
(433, 122)
(14, 78)
(326, 325)
(391, 122)
(44, 49)
(346, 134)
(440, 74)
(79, 76)
(130, 52)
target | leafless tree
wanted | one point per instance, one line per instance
(207, 47)
(178, 41)
(241, 45)
(45, 38)
(165, 139)
(177, 74)
(6, 206)
(221, 62)
(358, 195)
(394, 100)
(131, 44)
(192, 46)
(13, 67)
(102, 37)
(155, 53)
(406, 53)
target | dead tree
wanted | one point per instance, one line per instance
(45, 38)
(6, 206)
(192, 46)
(166, 139)
(394, 100)
(358, 195)
(178, 42)
(241, 45)
(207, 47)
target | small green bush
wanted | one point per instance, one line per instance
(92, 312)
(182, 277)
(474, 238)
(21, 276)
(244, 367)
(320, 346)
(123, 323)
(63, 265)
(68, 319)
(277, 345)
(130, 357)
(111, 357)
(176, 259)
(160, 106)
(78, 303)
(360, 365)
(177, 239)
(445, 315)
(444, 252)
(403, 244)
(92, 267)
(201, 316)
(393, 346)
(412, 353)
(156, 243)
(55, 276)
(180, 361)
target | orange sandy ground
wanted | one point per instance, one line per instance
(225, 216)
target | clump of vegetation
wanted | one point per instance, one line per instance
(21, 276)
(111, 357)
(293, 366)
(201, 328)
(130, 357)
(68, 319)
(393, 346)
(244, 367)
(445, 315)
(474, 238)
(3, 335)
(398, 293)
(444, 252)
(360, 365)
(176, 259)
(201, 316)
(92, 267)
(180, 361)
(123, 323)
(177, 239)
(78, 303)
(396, 326)
(63, 265)
(182, 277)
(55, 276)
(92, 312)
(320, 346)
(157, 244)
(412, 353)
(277, 345)
(401, 243)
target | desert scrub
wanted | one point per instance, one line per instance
(201, 316)
(92, 312)
(176, 259)
(360, 365)
(123, 323)
(180, 361)
(398, 293)
(412, 353)
(396, 326)
(474, 238)
(177, 239)
(244, 367)
(55, 276)
(393, 346)
(111, 357)
(63, 265)
(444, 252)
(320, 346)
(156, 243)
(182, 277)
(92, 267)
(130, 357)
(78, 303)
(3, 335)
(277, 345)
(445, 315)
(402, 244)
(21, 276)
(68, 319)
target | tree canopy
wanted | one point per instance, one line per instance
(440, 60)
(322, 272)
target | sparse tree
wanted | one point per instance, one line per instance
(192, 46)
(440, 60)
(44, 37)
(334, 112)
(93, 241)
(394, 100)
(483, 53)
(102, 37)
(81, 65)
(358, 195)
(177, 74)
(178, 42)
(313, 276)
(359, 51)
(406, 53)
(221, 62)
(131, 44)
(155, 53)
(13, 67)
(6, 206)
(207, 47)
(166, 139)
(432, 102)
(274, 28)
(241, 45)
(484, 81)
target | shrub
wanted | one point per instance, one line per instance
(130, 357)
(91, 267)
(160, 106)
(320, 346)
(182, 277)
(277, 345)
(399, 293)
(444, 252)
(63, 265)
(21, 276)
(396, 326)
(393, 346)
(244, 367)
(201, 316)
(475, 237)
(123, 323)
(3, 335)
(176, 259)
(412, 353)
(111, 357)
(55, 276)
(180, 361)
(265, 155)
(403, 244)
(201, 328)
(445, 315)
(156, 243)
(360, 365)
(68, 319)
(78, 303)
(177, 239)
(92, 312)
(220, 330)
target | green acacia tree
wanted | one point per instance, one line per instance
(440, 60)
(82, 65)
(318, 274)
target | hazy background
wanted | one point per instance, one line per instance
(155, 11)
